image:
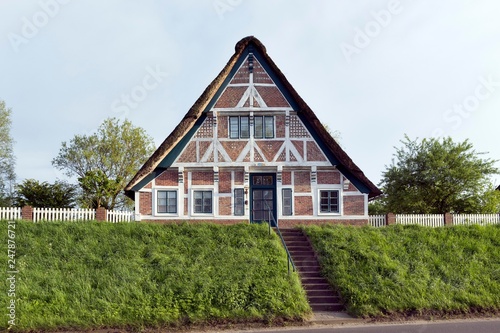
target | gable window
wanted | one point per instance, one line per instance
(329, 201)
(239, 202)
(287, 202)
(239, 127)
(264, 127)
(202, 202)
(166, 202)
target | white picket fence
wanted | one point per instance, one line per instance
(119, 216)
(10, 213)
(65, 214)
(468, 219)
(435, 220)
(62, 214)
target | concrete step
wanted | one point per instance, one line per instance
(328, 292)
(310, 274)
(327, 307)
(323, 299)
(316, 286)
(302, 253)
(306, 269)
(299, 239)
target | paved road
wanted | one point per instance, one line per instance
(452, 326)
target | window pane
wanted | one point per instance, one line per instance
(233, 127)
(244, 127)
(287, 201)
(269, 127)
(202, 201)
(167, 201)
(329, 201)
(258, 128)
(239, 201)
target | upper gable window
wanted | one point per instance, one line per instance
(264, 127)
(239, 127)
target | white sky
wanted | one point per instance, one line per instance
(424, 67)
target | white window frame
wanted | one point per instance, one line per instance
(340, 198)
(202, 189)
(155, 200)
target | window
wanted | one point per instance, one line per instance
(329, 202)
(203, 202)
(287, 202)
(264, 127)
(166, 202)
(239, 127)
(239, 202)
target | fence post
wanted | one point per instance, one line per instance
(27, 213)
(390, 219)
(101, 214)
(448, 219)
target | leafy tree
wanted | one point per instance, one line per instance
(377, 207)
(33, 193)
(7, 160)
(439, 176)
(105, 161)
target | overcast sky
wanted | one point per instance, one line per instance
(372, 70)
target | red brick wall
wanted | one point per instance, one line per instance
(314, 152)
(239, 177)
(225, 206)
(186, 206)
(202, 177)
(302, 181)
(354, 205)
(230, 97)
(193, 221)
(328, 177)
(286, 178)
(225, 182)
(222, 127)
(303, 206)
(283, 223)
(167, 178)
(145, 203)
(280, 126)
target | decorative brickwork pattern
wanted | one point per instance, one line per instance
(145, 203)
(167, 178)
(233, 148)
(259, 74)
(257, 157)
(242, 75)
(203, 146)
(269, 148)
(302, 181)
(303, 206)
(297, 129)
(354, 205)
(202, 177)
(206, 129)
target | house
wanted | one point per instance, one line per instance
(250, 149)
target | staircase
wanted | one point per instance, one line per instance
(320, 295)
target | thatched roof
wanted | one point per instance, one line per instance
(334, 151)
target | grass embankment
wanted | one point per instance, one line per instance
(81, 275)
(412, 270)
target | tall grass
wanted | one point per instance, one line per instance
(412, 269)
(83, 275)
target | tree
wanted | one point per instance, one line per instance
(31, 192)
(439, 176)
(7, 160)
(105, 161)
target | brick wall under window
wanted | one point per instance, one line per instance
(146, 202)
(354, 205)
(303, 205)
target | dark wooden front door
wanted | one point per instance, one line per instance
(263, 197)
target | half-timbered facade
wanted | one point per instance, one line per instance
(250, 149)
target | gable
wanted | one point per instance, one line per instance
(252, 84)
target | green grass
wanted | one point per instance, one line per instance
(83, 275)
(412, 270)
